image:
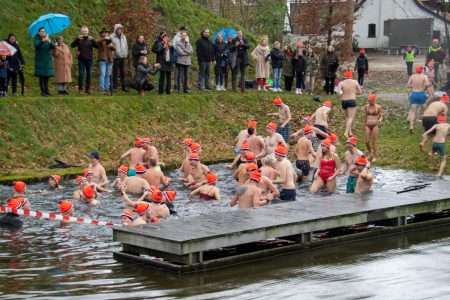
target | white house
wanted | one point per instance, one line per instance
(396, 23)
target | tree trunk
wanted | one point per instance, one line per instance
(347, 46)
(329, 27)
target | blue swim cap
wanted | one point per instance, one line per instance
(131, 172)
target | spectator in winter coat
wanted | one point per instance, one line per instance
(299, 63)
(165, 58)
(329, 65)
(143, 69)
(288, 68)
(184, 51)
(3, 75)
(231, 51)
(120, 43)
(312, 69)
(85, 45)
(362, 66)
(15, 66)
(261, 55)
(437, 53)
(43, 60)
(276, 58)
(241, 47)
(221, 58)
(105, 58)
(140, 48)
(205, 55)
(63, 66)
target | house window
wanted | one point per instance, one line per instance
(372, 30)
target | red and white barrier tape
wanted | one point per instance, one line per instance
(37, 214)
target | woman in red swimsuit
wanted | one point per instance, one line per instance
(208, 191)
(372, 119)
(328, 170)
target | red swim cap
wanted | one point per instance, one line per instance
(169, 196)
(444, 98)
(272, 126)
(16, 203)
(255, 176)
(123, 169)
(281, 150)
(127, 213)
(308, 129)
(88, 192)
(348, 74)
(211, 178)
(277, 101)
(195, 148)
(140, 169)
(442, 118)
(361, 161)
(353, 140)
(419, 69)
(251, 167)
(328, 103)
(372, 97)
(65, 206)
(252, 124)
(141, 208)
(250, 156)
(20, 186)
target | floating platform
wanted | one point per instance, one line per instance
(218, 240)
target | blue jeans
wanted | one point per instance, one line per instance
(105, 75)
(277, 78)
(84, 66)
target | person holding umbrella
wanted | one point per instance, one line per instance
(43, 60)
(15, 66)
(85, 45)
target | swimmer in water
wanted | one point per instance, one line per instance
(268, 190)
(122, 176)
(304, 153)
(154, 176)
(189, 147)
(239, 159)
(126, 217)
(328, 170)
(288, 176)
(54, 182)
(159, 203)
(249, 195)
(268, 168)
(441, 133)
(373, 116)
(99, 176)
(208, 191)
(12, 220)
(419, 86)
(144, 215)
(137, 185)
(351, 154)
(66, 208)
(348, 90)
(86, 194)
(321, 119)
(241, 173)
(271, 141)
(196, 176)
(135, 154)
(284, 117)
(151, 152)
(356, 175)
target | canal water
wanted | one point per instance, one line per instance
(48, 260)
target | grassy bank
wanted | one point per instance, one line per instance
(34, 131)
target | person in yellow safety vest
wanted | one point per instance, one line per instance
(409, 57)
(436, 53)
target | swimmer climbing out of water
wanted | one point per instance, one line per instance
(373, 116)
(208, 191)
(304, 153)
(321, 119)
(243, 135)
(430, 115)
(151, 152)
(419, 86)
(348, 90)
(329, 166)
(284, 117)
(441, 131)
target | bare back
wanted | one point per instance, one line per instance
(435, 108)
(418, 82)
(350, 89)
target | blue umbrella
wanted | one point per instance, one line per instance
(53, 24)
(225, 32)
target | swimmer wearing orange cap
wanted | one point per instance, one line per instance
(373, 116)
(272, 139)
(304, 153)
(441, 132)
(126, 217)
(65, 207)
(351, 153)
(284, 117)
(249, 195)
(12, 220)
(268, 189)
(360, 179)
(288, 176)
(328, 170)
(54, 182)
(196, 175)
(348, 91)
(430, 115)
(420, 88)
(122, 176)
(208, 191)
(135, 154)
(143, 210)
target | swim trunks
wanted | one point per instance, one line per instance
(438, 148)
(351, 184)
(303, 166)
(428, 122)
(418, 98)
(284, 131)
(348, 104)
(323, 128)
(288, 194)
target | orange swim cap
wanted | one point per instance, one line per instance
(308, 129)
(16, 203)
(188, 142)
(361, 161)
(281, 150)
(123, 169)
(328, 103)
(65, 206)
(326, 143)
(194, 157)
(88, 192)
(251, 167)
(19, 186)
(141, 208)
(255, 176)
(157, 196)
(138, 142)
(211, 178)
(442, 118)
(127, 213)
(419, 69)
(444, 98)
(272, 126)
(252, 123)
(56, 178)
(353, 140)
(195, 148)
(140, 169)
(245, 146)
(333, 137)
(372, 97)
(348, 74)
(250, 156)
(277, 101)
(169, 196)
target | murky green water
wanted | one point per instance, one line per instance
(46, 260)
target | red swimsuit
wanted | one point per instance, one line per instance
(327, 169)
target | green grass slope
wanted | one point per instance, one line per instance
(34, 131)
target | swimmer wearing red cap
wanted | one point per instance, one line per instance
(135, 154)
(87, 194)
(268, 189)
(137, 185)
(272, 139)
(351, 153)
(284, 117)
(360, 179)
(304, 153)
(328, 170)
(430, 115)
(249, 195)
(373, 116)
(441, 132)
(348, 90)
(122, 176)
(196, 175)
(241, 174)
(288, 176)
(54, 182)
(208, 191)
(420, 88)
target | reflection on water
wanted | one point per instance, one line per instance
(47, 260)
